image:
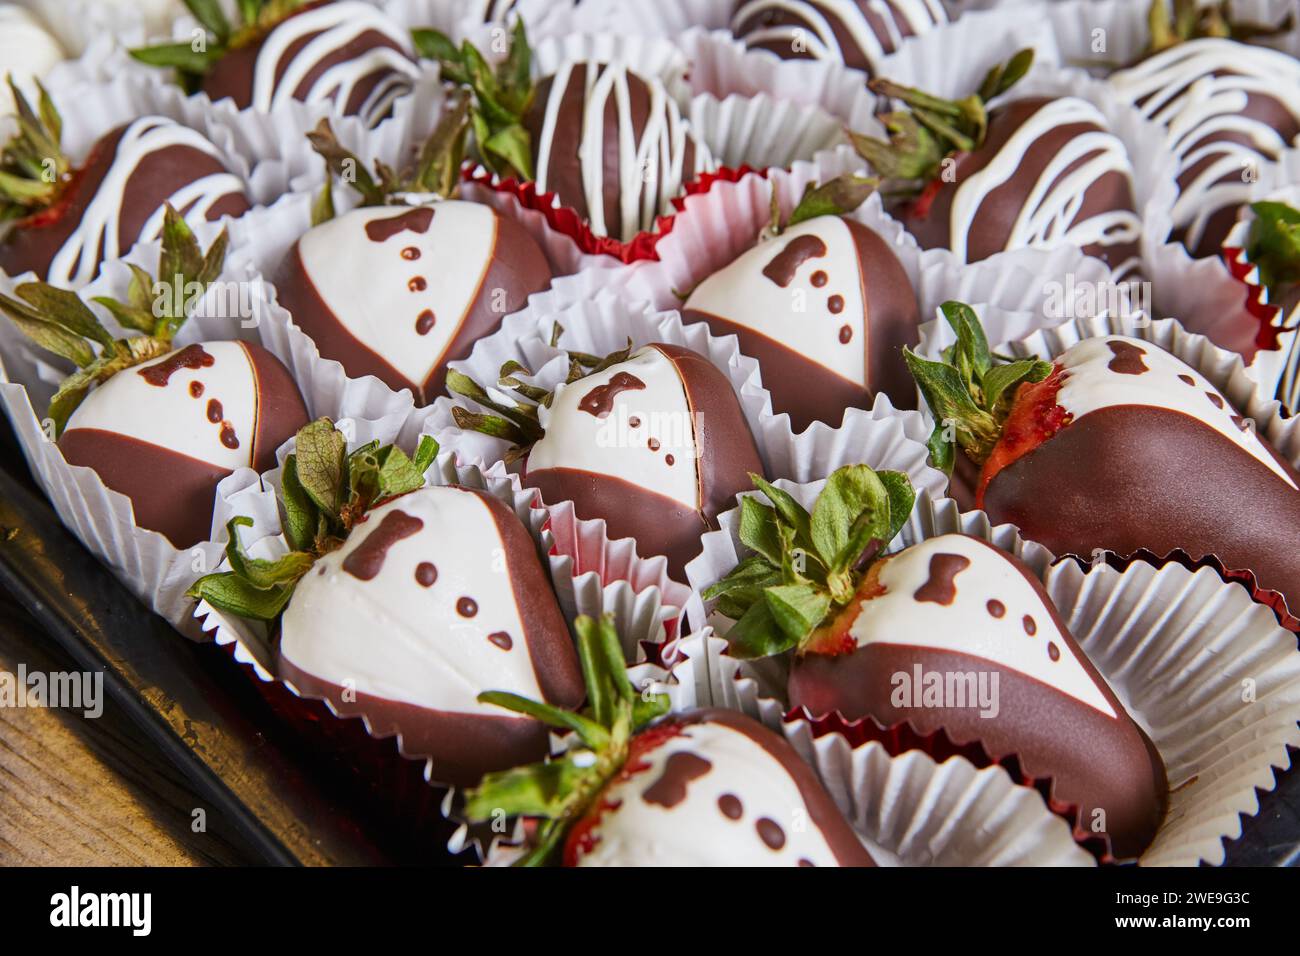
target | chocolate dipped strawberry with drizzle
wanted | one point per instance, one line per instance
(823, 304)
(440, 273)
(1033, 172)
(345, 53)
(400, 602)
(701, 788)
(1117, 445)
(159, 424)
(65, 220)
(651, 440)
(950, 637)
(857, 33)
(1228, 107)
(610, 144)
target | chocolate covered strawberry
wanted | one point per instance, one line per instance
(1228, 108)
(856, 33)
(1034, 172)
(67, 219)
(1115, 444)
(702, 788)
(612, 145)
(346, 53)
(823, 304)
(950, 637)
(402, 602)
(397, 290)
(653, 441)
(160, 424)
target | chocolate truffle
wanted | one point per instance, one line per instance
(952, 635)
(1049, 173)
(856, 33)
(437, 596)
(714, 788)
(117, 197)
(611, 145)
(657, 446)
(163, 433)
(346, 53)
(398, 292)
(1228, 108)
(825, 308)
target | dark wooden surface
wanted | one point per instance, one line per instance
(91, 792)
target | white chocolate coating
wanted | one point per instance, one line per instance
(966, 626)
(696, 832)
(617, 447)
(1047, 219)
(171, 417)
(337, 24)
(393, 637)
(1200, 88)
(383, 311)
(815, 34)
(27, 52)
(1091, 384)
(96, 236)
(797, 315)
(651, 169)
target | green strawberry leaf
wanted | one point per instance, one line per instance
(321, 452)
(230, 593)
(837, 197)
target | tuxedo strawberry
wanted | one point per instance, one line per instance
(825, 307)
(346, 53)
(610, 144)
(401, 603)
(397, 291)
(703, 788)
(68, 219)
(160, 424)
(857, 33)
(949, 637)
(653, 441)
(1117, 445)
(1227, 106)
(1034, 172)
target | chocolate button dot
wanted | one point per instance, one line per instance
(466, 607)
(426, 574)
(996, 608)
(501, 639)
(846, 334)
(835, 304)
(196, 389)
(1053, 651)
(418, 284)
(819, 279)
(424, 322)
(1031, 626)
(731, 806)
(410, 253)
(770, 832)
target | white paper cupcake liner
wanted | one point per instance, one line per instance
(471, 19)
(145, 561)
(1175, 646)
(82, 26)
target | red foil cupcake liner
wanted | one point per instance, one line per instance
(566, 221)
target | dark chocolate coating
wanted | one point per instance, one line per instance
(807, 390)
(993, 224)
(565, 168)
(232, 75)
(852, 54)
(518, 268)
(1130, 477)
(822, 811)
(660, 525)
(172, 493)
(464, 746)
(1095, 762)
(36, 240)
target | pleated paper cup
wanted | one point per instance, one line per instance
(1207, 674)
(1224, 370)
(643, 617)
(145, 561)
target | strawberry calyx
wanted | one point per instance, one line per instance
(834, 638)
(970, 391)
(1035, 417)
(564, 793)
(35, 174)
